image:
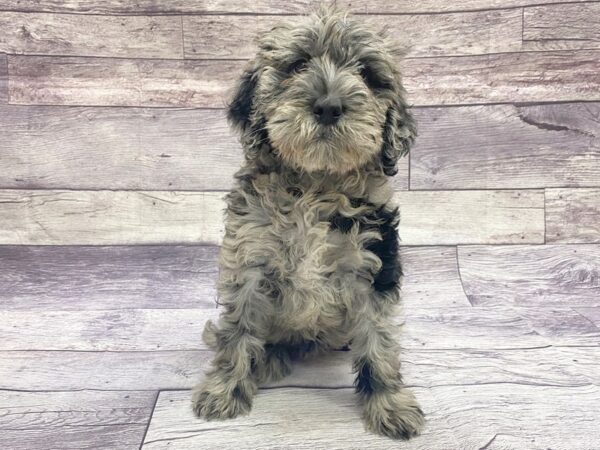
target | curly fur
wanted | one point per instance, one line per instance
(309, 260)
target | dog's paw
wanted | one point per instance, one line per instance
(215, 404)
(394, 414)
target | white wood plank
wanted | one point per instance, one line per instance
(466, 417)
(549, 275)
(80, 35)
(61, 147)
(493, 78)
(462, 217)
(573, 216)
(119, 217)
(283, 418)
(181, 329)
(74, 420)
(259, 6)
(560, 27)
(3, 79)
(76, 278)
(506, 146)
(466, 33)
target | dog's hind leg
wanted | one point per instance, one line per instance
(389, 408)
(238, 341)
(279, 357)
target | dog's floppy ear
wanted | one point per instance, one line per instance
(399, 132)
(241, 105)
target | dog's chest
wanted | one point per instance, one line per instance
(319, 270)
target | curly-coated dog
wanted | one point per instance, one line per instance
(310, 255)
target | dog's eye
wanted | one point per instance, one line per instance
(372, 80)
(297, 66)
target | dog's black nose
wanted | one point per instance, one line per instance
(328, 110)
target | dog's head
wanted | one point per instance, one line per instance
(324, 95)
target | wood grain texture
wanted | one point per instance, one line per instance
(259, 6)
(283, 418)
(3, 79)
(110, 217)
(105, 371)
(180, 329)
(471, 217)
(561, 27)
(511, 415)
(72, 34)
(497, 78)
(468, 33)
(120, 82)
(148, 371)
(528, 275)
(55, 278)
(504, 78)
(507, 146)
(138, 217)
(81, 278)
(74, 420)
(61, 147)
(573, 216)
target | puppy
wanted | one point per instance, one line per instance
(309, 260)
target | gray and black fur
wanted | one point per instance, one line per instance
(309, 260)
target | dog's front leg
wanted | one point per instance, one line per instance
(229, 385)
(389, 408)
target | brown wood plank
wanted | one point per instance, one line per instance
(74, 420)
(573, 216)
(95, 278)
(120, 82)
(561, 27)
(80, 35)
(507, 146)
(549, 275)
(497, 78)
(61, 147)
(259, 6)
(139, 217)
(3, 79)
(512, 416)
(469, 33)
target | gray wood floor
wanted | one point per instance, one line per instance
(115, 155)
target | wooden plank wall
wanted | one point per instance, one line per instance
(115, 155)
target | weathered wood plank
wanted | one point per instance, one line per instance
(73, 34)
(556, 275)
(74, 420)
(592, 313)
(468, 33)
(283, 418)
(110, 217)
(141, 217)
(561, 27)
(68, 370)
(477, 217)
(3, 79)
(520, 416)
(120, 82)
(511, 416)
(96, 278)
(573, 216)
(148, 149)
(431, 278)
(507, 146)
(259, 6)
(112, 371)
(505, 77)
